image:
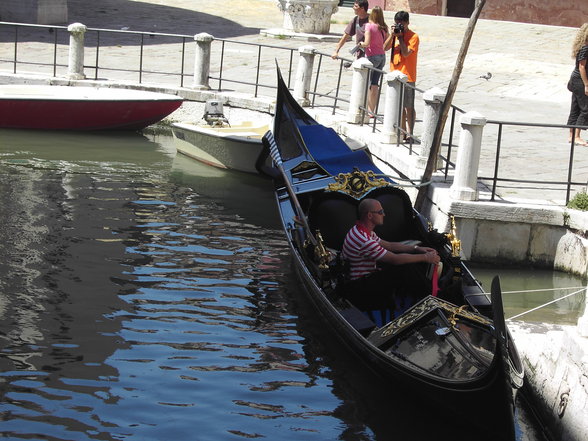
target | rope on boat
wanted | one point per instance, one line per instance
(544, 289)
(395, 178)
(546, 304)
(532, 290)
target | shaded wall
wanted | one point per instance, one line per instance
(570, 13)
(34, 11)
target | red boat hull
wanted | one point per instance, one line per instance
(72, 108)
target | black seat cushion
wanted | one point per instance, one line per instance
(335, 213)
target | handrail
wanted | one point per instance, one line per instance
(323, 95)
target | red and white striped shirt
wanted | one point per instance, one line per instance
(362, 248)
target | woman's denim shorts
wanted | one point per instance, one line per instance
(378, 61)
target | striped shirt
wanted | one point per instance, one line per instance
(362, 249)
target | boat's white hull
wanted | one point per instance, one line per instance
(235, 148)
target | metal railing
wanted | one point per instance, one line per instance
(232, 69)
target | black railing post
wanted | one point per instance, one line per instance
(338, 87)
(451, 127)
(55, 52)
(316, 79)
(183, 61)
(97, 54)
(258, 69)
(222, 60)
(141, 59)
(496, 162)
(15, 46)
(400, 110)
(377, 104)
(570, 166)
(290, 67)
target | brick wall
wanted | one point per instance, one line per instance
(571, 13)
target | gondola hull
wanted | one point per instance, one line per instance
(485, 403)
(448, 355)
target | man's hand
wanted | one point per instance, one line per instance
(425, 250)
(432, 257)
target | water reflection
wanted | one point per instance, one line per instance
(145, 296)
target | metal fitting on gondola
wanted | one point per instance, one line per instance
(321, 253)
(454, 316)
(453, 240)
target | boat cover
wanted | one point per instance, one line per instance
(331, 152)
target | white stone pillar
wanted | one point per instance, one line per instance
(433, 100)
(202, 61)
(308, 16)
(393, 83)
(465, 181)
(361, 75)
(75, 68)
(304, 75)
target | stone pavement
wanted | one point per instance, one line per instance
(530, 66)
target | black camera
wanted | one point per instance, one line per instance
(398, 28)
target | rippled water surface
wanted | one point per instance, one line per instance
(146, 297)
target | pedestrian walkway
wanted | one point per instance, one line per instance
(529, 67)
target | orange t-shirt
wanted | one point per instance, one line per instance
(406, 65)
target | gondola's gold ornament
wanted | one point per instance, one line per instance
(425, 307)
(454, 316)
(453, 240)
(357, 183)
(321, 253)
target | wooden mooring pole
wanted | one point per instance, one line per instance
(438, 135)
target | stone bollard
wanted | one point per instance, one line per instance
(433, 100)
(75, 68)
(304, 75)
(392, 111)
(202, 61)
(465, 181)
(361, 75)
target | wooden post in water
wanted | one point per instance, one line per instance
(436, 145)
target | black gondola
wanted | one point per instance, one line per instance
(453, 348)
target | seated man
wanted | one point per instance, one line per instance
(371, 287)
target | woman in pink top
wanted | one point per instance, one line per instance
(376, 33)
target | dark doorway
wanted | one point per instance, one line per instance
(460, 8)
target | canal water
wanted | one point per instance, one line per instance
(144, 296)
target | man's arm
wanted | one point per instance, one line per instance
(397, 247)
(404, 49)
(404, 258)
(342, 41)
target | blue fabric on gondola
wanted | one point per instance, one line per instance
(331, 152)
(381, 316)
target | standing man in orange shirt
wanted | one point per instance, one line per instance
(405, 48)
